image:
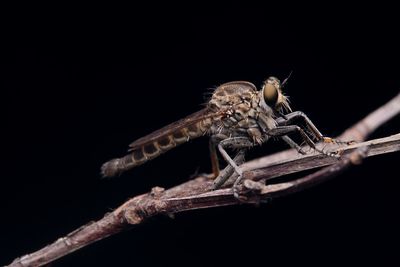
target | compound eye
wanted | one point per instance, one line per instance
(270, 94)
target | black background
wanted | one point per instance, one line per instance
(81, 85)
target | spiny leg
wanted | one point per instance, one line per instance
(226, 173)
(284, 130)
(287, 119)
(293, 144)
(234, 142)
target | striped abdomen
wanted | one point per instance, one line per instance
(153, 145)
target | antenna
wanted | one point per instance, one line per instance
(285, 80)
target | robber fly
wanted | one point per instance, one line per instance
(238, 117)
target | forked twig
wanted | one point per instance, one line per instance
(197, 194)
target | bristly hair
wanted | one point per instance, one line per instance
(285, 104)
(208, 94)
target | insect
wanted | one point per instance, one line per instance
(237, 117)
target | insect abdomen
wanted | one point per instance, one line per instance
(151, 150)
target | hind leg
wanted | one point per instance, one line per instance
(234, 142)
(226, 173)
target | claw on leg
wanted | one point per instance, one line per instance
(235, 189)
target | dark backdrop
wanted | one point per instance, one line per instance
(81, 85)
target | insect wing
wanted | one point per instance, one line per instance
(174, 127)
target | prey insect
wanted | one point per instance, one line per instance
(237, 117)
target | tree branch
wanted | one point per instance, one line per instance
(197, 193)
(265, 168)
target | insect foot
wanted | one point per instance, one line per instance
(239, 195)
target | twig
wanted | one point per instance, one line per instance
(259, 191)
(196, 194)
(265, 168)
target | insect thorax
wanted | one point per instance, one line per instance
(246, 114)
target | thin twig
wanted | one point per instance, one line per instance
(264, 168)
(196, 194)
(258, 191)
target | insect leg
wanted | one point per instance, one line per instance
(289, 118)
(284, 130)
(293, 144)
(234, 142)
(214, 157)
(226, 173)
